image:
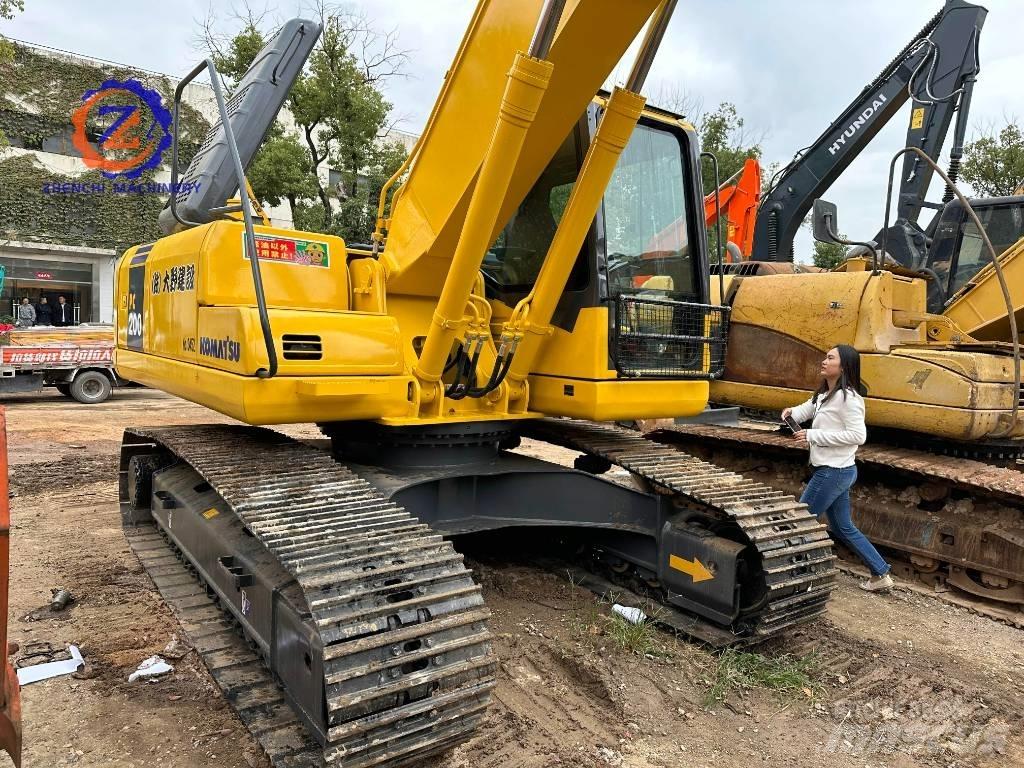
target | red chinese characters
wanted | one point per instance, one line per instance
(67, 356)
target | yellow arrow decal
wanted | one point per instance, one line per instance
(694, 569)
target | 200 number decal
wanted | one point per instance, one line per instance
(134, 323)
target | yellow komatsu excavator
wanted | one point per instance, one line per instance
(512, 279)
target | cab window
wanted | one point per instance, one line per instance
(1004, 225)
(645, 218)
(515, 258)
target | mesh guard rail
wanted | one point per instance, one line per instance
(655, 337)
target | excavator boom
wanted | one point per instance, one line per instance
(430, 209)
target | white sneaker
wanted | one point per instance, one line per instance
(878, 583)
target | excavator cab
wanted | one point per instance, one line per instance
(640, 243)
(957, 253)
(628, 247)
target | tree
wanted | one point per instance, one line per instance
(358, 212)
(675, 98)
(829, 255)
(341, 117)
(9, 7)
(280, 171)
(994, 164)
(722, 133)
(234, 58)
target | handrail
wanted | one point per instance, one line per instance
(243, 194)
(718, 223)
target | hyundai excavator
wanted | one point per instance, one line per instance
(941, 58)
(942, 491)
(940, 372)
(936, 72)
(508, 292)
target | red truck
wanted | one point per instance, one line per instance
(78, 361)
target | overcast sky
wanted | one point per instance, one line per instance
(789, 66)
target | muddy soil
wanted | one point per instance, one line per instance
(899, 680)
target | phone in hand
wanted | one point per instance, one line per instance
(793, 424)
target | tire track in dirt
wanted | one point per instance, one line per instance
(892, 705)
(544, 696)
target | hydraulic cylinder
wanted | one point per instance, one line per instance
(527, 81)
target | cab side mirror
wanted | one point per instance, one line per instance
(824, 221)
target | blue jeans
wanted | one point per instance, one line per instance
(828, 493)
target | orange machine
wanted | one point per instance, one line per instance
(738, 199)
(10, 696)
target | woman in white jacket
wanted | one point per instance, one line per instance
(837, 428)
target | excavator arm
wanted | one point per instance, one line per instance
(738, 199)
(936, 69)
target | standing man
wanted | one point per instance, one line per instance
(62, 312)
(44, 312)
(26, 314)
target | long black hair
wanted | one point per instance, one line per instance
(849, 374)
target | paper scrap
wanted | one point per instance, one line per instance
(151, 667)
(50, 669)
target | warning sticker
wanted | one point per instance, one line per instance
(917, 118)
(210, 513)
(290, 250)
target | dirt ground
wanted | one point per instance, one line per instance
(899, 680)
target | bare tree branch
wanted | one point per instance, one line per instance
(379, 56)
(675, 98)
(209, 40)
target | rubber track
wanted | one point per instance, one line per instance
(325, 525)
(796, 551)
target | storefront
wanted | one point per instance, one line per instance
(83, 276)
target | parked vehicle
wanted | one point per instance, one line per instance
(78, 361)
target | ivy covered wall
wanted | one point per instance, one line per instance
(30, 211)
(38, 93)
